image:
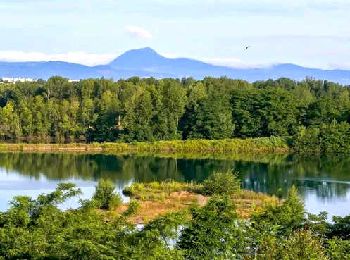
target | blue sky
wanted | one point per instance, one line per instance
(312, 33)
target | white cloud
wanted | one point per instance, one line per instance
(138, 32)
(235, 63)
(74, 57)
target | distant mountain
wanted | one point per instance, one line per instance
(44, 70)
(148, 63)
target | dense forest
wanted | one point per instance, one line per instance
(316, 114)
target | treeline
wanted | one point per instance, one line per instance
(148, 109)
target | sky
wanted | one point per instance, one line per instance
(313, 33)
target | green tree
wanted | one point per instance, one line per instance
(214, 232)
(211, 119)
(10, 127)
(221, 183)
(137, 120)
(105, 196)
(282, 219)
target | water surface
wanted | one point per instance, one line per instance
(323, 183)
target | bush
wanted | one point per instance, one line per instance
(307, 140)
(132, 209)
(327, 138)
(340, 228)
(221, 183)
(105, 197)
(284, 218)
(214, 232)
(338, 249)
(302, 245)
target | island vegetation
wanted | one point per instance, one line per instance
(283, 115)
(212, 220)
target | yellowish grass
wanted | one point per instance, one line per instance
(235, 145)
(246, 203)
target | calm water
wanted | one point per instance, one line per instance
(324, 183)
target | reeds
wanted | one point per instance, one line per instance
(249, 145)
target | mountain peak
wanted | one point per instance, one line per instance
(137, 56)
(145, 50)
(146, 62)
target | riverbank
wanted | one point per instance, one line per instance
(249, 145)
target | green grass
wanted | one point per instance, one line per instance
(249, 145)
(158, 190)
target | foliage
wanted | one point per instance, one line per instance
(221, 183)
(227, 147)
(282, 219)
(105, 196)
(302, 245)
(38, 229)
(213, 232)
(132, 208)
(338, 249)
(327, 138)
(100, 110)
(340, 228)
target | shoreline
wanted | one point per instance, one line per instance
(273, 145)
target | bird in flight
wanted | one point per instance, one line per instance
(247, 47)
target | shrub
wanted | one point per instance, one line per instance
(132, 209)
(302, 245)
(338, 249)
(214, 232)
(105, 197)
(340, 228)
(221, 183)
(307, 140)
(327, 138)
(284, 218)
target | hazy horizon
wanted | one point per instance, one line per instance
(306, 33)
(107, 59)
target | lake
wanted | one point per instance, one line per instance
(323, 183)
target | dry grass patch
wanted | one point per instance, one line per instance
(248, 202)
(158, 199)
(174, 202)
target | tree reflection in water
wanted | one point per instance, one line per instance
(328, 177)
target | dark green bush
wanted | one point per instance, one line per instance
(105, 196)
(326, 138)
(221, 183)
(284, 218)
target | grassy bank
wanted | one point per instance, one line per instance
(250, 145)
(156, 199)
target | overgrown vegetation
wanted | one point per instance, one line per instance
(105, 196)
(158, 190)
(251, 145)
(38, 229)
(326, 138)
(316, 113)
(159, 198)
(221, 183)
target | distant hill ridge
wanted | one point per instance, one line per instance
(148, 63)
